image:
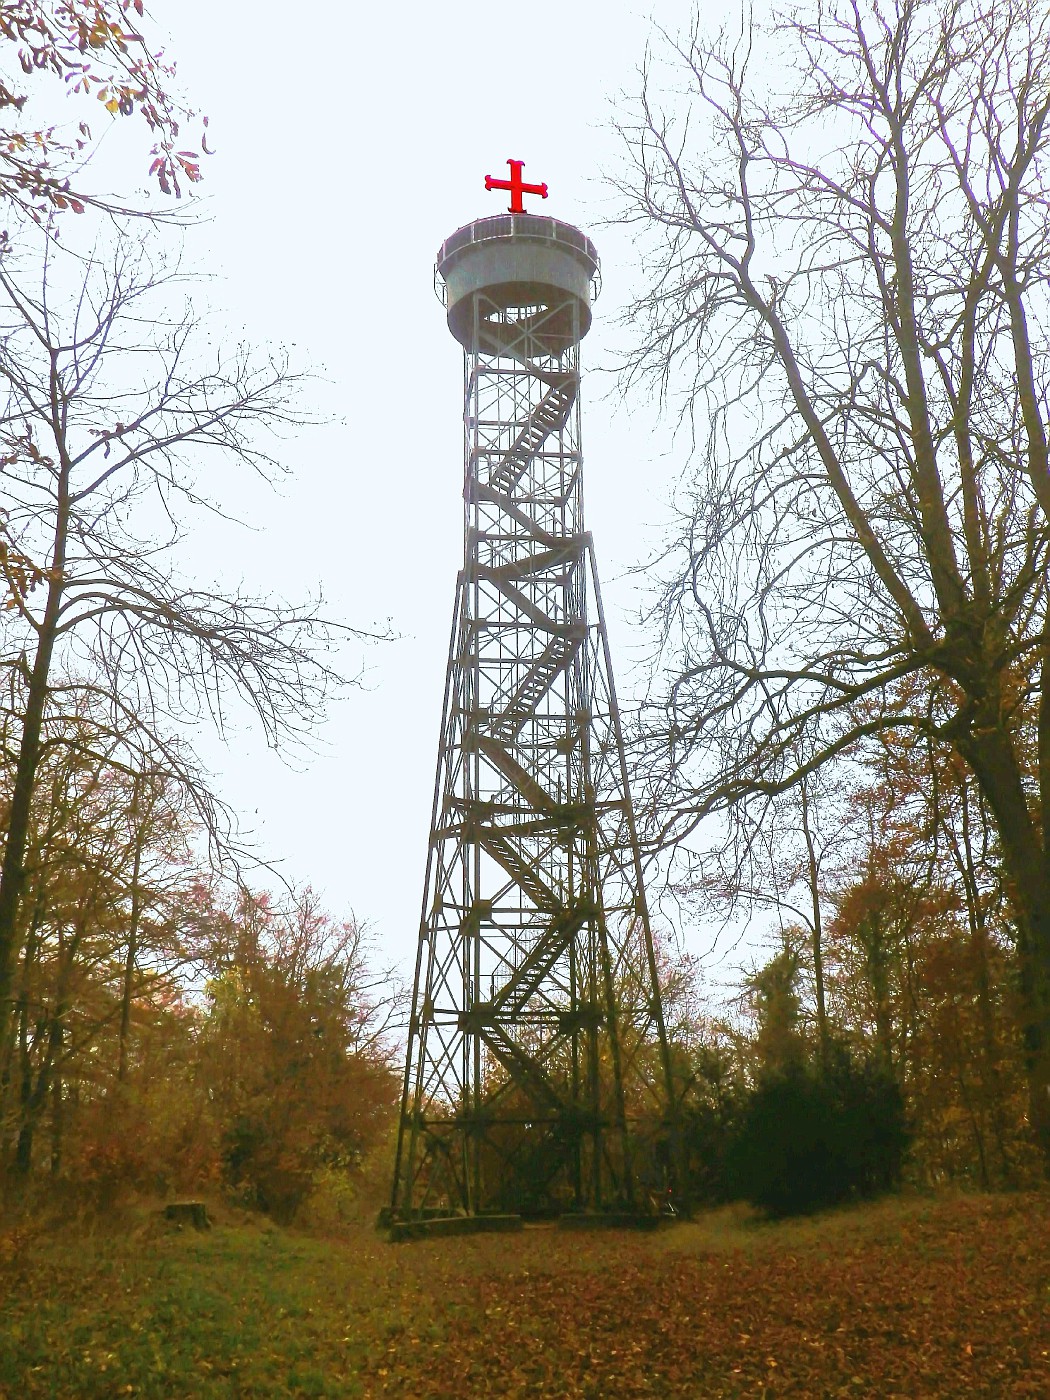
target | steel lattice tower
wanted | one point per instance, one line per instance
(537, 1075)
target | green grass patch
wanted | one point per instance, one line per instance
(912, 1298)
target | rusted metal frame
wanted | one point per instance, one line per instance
(583, 1057)
(472, 950)
(586, 1087)
(549, 682)
(424, 942)
(539, 962)
(524, 1069)
(546, 752)
(641, 903)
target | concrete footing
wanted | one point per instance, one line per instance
(441, 1226)
(433, 1226)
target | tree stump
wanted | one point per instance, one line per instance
(193, 1213)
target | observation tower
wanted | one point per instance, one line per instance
(537, 1079)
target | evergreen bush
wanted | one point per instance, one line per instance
(808, 1138)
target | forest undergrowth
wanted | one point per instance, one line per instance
(908, 1297)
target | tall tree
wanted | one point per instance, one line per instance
(111, 408)
(105, 860)
(294, 1047)
(849, 284)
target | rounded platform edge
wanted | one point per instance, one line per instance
(519, 226)
(519, 260)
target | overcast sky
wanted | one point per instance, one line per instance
(347, 147)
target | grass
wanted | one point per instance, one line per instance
(911, 1297)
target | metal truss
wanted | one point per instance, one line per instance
(537, 1076)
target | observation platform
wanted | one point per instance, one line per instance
(526, 263)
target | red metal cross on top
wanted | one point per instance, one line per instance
(516, 186)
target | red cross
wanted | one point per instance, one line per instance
(516, 186)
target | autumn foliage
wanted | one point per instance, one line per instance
(97, 54)
(168, 1036)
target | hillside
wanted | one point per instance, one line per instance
(908, 1298)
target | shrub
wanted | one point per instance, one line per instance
(809, 1139)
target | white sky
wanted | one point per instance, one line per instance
(348, 146)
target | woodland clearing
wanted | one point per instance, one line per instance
(912, 1296)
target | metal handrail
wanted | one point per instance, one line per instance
(534, 226)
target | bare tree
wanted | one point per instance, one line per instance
(848, 288)
(778, 868)
(112, 411)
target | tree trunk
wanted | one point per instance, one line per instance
(133, 929)
(1035, 996)
(24, 1146)
(974, 1117)
(12, 871)
(818, 937)
(58, 1120)
(877, 969)
(978, 926)
(991, 756)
